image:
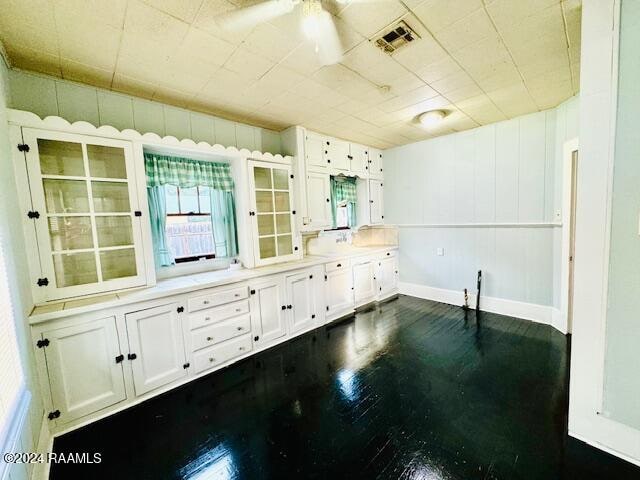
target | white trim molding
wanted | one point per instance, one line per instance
(481, 225)
(11, 437)
(513, 308)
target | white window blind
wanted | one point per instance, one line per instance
(11, 375)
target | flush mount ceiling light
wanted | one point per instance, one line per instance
(432, 118)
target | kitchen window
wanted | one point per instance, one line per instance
(343, 201)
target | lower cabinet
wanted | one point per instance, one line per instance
(387, 275)
(156, 347)
(84, 364)
(267, 310)
(364, 283)
(302, 304)
(339, 291)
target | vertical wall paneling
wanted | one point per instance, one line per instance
(177, 122)
(507, 151)
(225, 132)
(76, 103)
(464, 172)
(33, 93)
(531, 168)
(115, 110)
(202, 128)
(550, 170)
(485, 175)
(148, 117)
(245, 137)
(445, 173)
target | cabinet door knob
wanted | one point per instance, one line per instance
(284, 307)
(240, 329)
(241, 349)
(289, 307)
(205, 302)
(206, 319)
(209, 339)
(211, 359)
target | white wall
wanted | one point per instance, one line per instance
(44, 96)
(11, 233)
(505, 177)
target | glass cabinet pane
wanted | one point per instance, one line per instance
(66, 196)
(114, 231)
(262, 177)
(70, 233)
(118, 263)
(265, 225)
(267, 247)
(264, 201)
(110, 197)
(282, 201)
(283, 223)
(285, 245)
(107, 162)
(60, 158)
(280, 179)
(75, 269)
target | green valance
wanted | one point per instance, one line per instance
(186, 172)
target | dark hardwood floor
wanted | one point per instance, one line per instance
(411, 389)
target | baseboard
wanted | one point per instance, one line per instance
(527, 311)
(604, 448)
(45, 446)
(10, 436)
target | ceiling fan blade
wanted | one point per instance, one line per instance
(252, 15)
(329, 44)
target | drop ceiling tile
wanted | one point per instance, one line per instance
(420, 53)
(185, 10)
(352, 106)
(367, 21)
(479, 58)
(172, 97)
(34, 60)
(144, 50)
(154, 25)
(248, 64)
(435, 103)
(410, 98)
(481, 109)
(438, 70)
(39, 35)
(498, 75)
(453, 82)
(506, 13)
(109, 13)
(378, 117)
(364, 56)
(514, 100)
(199, 46)
(145, 70)
(405, 83)
(332, 99)
(90, 43)
(86, 74)
(349, 37)
(133, 86)
(438, 14)
(468, 30)
(463, 93)
(206, 21)
(270, 42)
(328, 116)
(223, 82)
(309, 88)
(303, 60)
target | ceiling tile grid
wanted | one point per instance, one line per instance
(481, 61)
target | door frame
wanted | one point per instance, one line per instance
(569, 177)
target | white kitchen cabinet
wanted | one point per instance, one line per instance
(156, 347)
(318, 200)
(359, 157)
(302, 304)
(337, 154)
(271, 214)
(375, 163)
(376, 202)
(387, 275)
(268, 310)
(339, 289)
(314, 148)
(84, 365)
(364, 283)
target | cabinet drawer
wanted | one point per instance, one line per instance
(337, 265)
(219, 354)
(219, 332)
(216, 298)
(213, 315)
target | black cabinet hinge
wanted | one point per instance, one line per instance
(350, 157)
(252, 214)
(327, 308)
(291, 175)
(43, 282)
(325, 278)
(180, 309)
(137, 213)
(289, 307)
(310, 276)
(54, 414)
(119, 358)
(132, 356)
(33, 214)
(23, 147)
(293, 212)
(256, 338)
(313, 316)
(284, 307)
(252, 291)
(186, 365)
(42, 343)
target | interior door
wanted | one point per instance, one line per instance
(376, 201)
(364, 284)
(267, 310)
(339, 291)
(85, 368)
(156, 347)
(301, 298)
(318, 200)
(314, 147)
(359, 159)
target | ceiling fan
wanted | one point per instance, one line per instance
(317, 23)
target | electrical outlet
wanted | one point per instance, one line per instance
(440, 252)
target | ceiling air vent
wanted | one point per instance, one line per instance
(399, 35)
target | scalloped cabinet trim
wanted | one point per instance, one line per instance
(31, 120)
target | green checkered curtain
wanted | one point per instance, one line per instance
(181, 172)
(343, 190)
(185, 172)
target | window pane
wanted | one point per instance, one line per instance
(264, 202)
(75, 269)
(70, 233)
(189, 200)
(171, 194)
(265, 225)
(110, 197)
(190, 236)
(283, 223)
(284, 245)
(66, 196)
(205, 201)
(106, 162)
(280, 179)
(114, 231)
(267, 247)
(282, 201)
(262, 177)
(118, 263)
(60, 158)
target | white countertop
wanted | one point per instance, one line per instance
(186, 284)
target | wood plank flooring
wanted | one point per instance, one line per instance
(411, 389)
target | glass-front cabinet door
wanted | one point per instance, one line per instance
(272, 213)
(85, 213)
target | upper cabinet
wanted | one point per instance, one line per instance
(315, 151)
(375, 163)
(337, 154)
(83, 207)
(359, 157)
